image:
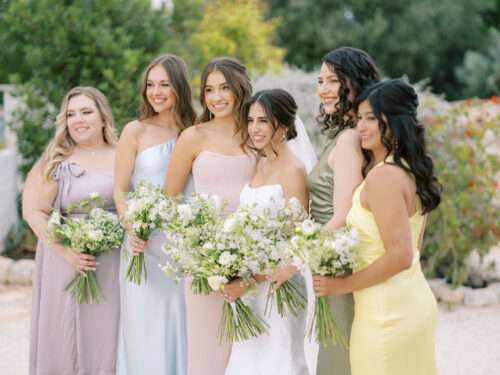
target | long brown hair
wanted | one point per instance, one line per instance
(237, 78)
(62, 145)
(176, 69)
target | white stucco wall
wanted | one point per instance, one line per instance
(8, 192)
(8, 171)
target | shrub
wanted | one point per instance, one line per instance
(462, 140)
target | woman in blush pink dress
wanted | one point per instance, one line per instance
(212, 152)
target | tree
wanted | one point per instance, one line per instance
(54, 45)
(480, 72)
(420, 39)
(238, 29)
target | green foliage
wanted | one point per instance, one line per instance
(420, 39)
(237, 28)
(480, 72)
(466, 163)
(55, 45)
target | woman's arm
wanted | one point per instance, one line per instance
(38, 197)
(385, 195)
(185, 151)
(126, 152)
(346, 161)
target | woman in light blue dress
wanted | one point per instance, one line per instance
(152, 335)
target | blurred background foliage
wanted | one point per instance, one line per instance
(49, 46)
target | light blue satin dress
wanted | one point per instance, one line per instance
(152, 336)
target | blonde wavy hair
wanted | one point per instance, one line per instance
(62, 145)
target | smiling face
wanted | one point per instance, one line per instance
(84, 121)
(368, 127)
(159, 90)
(261, 129)
(219, 97)
(328, 88)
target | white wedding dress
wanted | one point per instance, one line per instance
(281, 351)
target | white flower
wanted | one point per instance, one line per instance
(94, 195)
(185, 212)
(308, 227)
(216, 282)
(226, 258)
(229, 224)
(55, 218)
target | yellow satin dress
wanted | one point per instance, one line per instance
(393, 331)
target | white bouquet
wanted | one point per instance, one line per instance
(266, 233)
(191, 227)
(148, 209)
(95, 233)
(326, 254)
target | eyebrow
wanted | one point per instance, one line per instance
(80, 109)
(163, 80)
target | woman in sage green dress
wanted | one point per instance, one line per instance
(345, 73)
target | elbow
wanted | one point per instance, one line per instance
(405, 261)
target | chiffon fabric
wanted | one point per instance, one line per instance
(224, 175)
(66, 337)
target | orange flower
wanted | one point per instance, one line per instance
(468, 133)
(467, 102)
(472, 184)
(494, 99)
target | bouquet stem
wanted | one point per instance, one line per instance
(199, 285)
(288, 297)
(135, 268)
(239, 323)
(84, 288)
(325, 326)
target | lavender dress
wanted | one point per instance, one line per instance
(68, 338)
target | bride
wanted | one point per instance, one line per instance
(281, 175)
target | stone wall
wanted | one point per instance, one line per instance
(8, 192)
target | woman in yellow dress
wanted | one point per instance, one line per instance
(395, 311)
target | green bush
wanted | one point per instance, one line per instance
(461, 140)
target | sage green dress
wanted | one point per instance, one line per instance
(332, 360)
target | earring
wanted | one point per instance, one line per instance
(210, 116)
(395, 144)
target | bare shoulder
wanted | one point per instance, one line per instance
(348, 137)
(294, 170)
(386, 180)
(132, 131)
(348, 147)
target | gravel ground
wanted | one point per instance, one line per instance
(468, 340)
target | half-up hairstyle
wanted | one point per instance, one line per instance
(236, 77)
(355, 70)
(61, 146)
(394, 103)
(280, 109)
(176, 69)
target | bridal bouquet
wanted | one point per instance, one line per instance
(95, 233)
(326, 254)
(266, 232)
(191, 227)
(148, 209)
(224, 260)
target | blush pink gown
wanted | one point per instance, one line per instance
(224, 175)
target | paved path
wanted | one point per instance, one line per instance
(468, 340)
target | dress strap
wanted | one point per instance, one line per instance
(63, 174)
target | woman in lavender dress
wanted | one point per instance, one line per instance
(68, 338)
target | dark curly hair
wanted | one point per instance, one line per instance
(354, 68)
(394, 103)
(280, 108)
(238, 80)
